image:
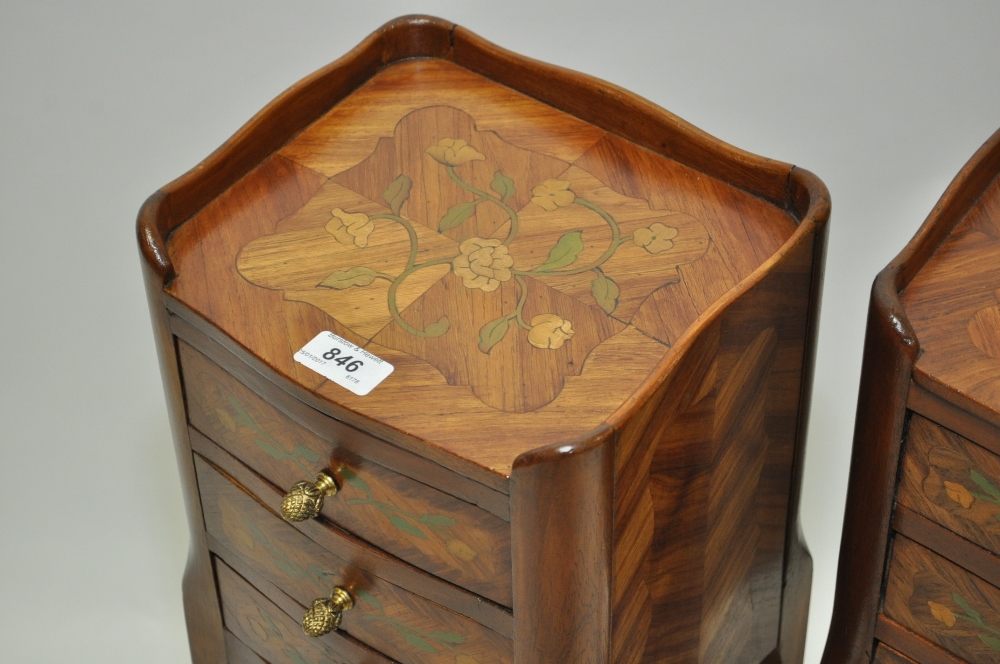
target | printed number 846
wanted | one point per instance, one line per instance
(347, 362)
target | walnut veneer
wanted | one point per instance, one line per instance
(601, 322)
(920, 561)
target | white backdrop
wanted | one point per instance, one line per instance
(103, 102)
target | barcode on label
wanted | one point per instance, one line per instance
(347, 365)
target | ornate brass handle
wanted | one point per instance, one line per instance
(325, 613)
(305, 499)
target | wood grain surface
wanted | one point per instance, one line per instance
(910, 644)
(346, 547)
(538, 254)
(707, 470)
(390, 619)
(953, 482)
(273, 634)
(444, 536)
(954, 306)
(202, 612)
(238, 652)
(943, 603)
(942, 541)
(445, 472)
(953, 417)
(895, 338)
(561, 527)
(530, 355)
(886, 655)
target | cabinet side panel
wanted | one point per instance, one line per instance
(755, 446)
(649, 565)
(561, 551)
(201, 602)
(878, 432)
(722, 447)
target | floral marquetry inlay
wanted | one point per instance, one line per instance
(501, 267)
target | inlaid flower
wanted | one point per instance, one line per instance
(549, 331)
(655, 238)
(959, 494)
(942, 613)
(454, 152)
(350, 227)
(226, 419)
(483, 263)
(553, 194)
(460, 549)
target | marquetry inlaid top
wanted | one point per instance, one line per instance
(524, 271)
(954, 307)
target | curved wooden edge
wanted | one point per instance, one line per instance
(561, 527)
(202, 611)
(601, 103)
(963, 192)
(888, 359)
(624, 113)
(806, 196)
(291, 112)
(805, 192)
(891, 349)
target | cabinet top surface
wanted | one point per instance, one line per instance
(524, 271)
(953, 304)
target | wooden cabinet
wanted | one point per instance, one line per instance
(600, 326)
(920, 560)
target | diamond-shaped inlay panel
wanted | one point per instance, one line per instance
(500, 266)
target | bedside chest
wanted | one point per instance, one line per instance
(473, 359)
(919, 576)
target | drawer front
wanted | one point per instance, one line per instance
(953, 482)
(274, 635)
(238, 652)
(432, 530)
(405, 626)
(886, 655)
(943, 603)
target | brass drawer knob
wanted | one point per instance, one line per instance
(305, 499)
(325, 613)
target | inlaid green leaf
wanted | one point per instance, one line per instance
(566, 251)
(438, 520)
(255, 530)
(270, 623)
(397, 193)
(356, 276)
(286, 567)
(457, 215)
(318, 572)
(992, 641)
(438, 328)
(226, 419)
(446, 637)
(269, 449)
(369, 599)
(241, 412)
(418, 642)
(295, 656)
(984, 483)
(969, 611)
(306, 453)
(492, 333)
(404, 525)
(503, 185)
(605, 291)
(352, 478)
